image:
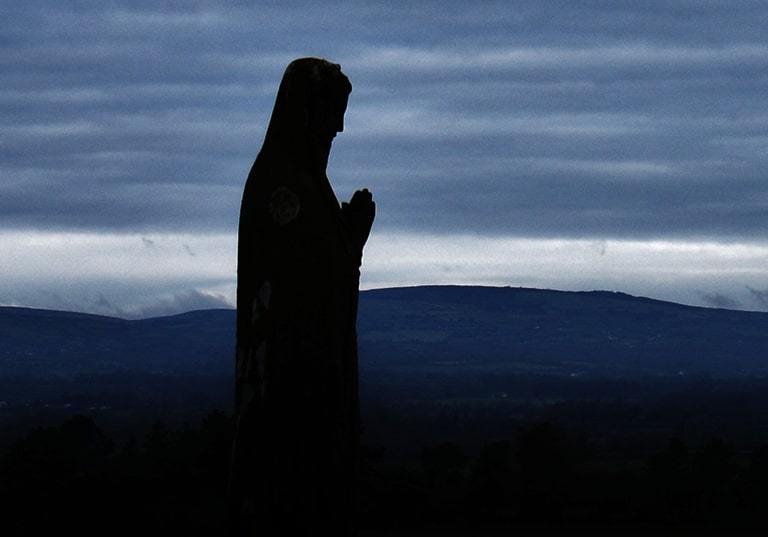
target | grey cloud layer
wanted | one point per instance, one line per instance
(489, 117)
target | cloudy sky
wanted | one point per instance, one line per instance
(565, 145)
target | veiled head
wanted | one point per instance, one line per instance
(312, 99)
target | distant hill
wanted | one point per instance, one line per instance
(546, 331)
(453, 327)
(47, 343)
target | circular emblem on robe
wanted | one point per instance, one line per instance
(283, 206)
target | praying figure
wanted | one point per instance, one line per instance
(297, 419)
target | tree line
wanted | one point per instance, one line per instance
(172, 481)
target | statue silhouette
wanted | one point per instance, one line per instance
(294, 467)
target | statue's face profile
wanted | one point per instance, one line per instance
(326, 99)
(326, 115)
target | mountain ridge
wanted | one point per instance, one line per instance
(388, 291)
(523, 329)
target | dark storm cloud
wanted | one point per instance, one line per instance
(530, 119)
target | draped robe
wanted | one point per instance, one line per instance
(299, 255)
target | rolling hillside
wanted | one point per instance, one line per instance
(490, 387)
(597, 333)
(454, 327)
